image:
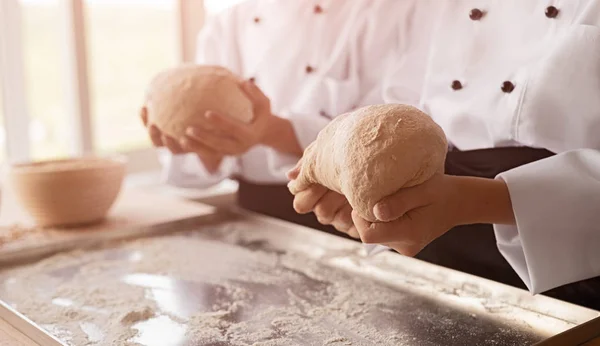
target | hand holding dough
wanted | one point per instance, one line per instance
(179, 97)
(372, 153)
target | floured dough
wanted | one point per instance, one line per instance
(372, 153)
(179, 97)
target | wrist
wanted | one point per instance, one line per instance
(279, 134)
(481, 200)
(269, 135)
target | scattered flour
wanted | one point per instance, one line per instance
(213, 288)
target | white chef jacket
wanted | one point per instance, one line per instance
(313, 59)
(523, 73)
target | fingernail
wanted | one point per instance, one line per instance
(382, 212)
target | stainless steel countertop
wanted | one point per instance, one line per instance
(322, 284)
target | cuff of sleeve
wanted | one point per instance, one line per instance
(186, 170)
(551, 244)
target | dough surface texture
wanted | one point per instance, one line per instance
(372, 153)
(179, 97)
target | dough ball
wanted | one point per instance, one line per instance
(179, 97)
(372, 153)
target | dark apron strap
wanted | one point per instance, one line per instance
(488, 163)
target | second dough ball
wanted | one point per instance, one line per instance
(179, 97)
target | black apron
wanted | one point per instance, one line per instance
(471, 249)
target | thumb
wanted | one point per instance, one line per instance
(259, 100)
(294, 172)
(396, 205)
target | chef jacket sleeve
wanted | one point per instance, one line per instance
(556, 202)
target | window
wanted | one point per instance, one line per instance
(128, 42)
(2, 136)
(44, 69)
(75, 72)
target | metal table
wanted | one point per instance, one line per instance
(243, 279)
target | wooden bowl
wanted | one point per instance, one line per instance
(68, 192)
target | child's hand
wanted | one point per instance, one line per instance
(229, 136)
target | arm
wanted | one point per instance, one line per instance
(282, 137)
(483, 201)
(545, 216)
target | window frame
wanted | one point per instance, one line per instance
(190, 18)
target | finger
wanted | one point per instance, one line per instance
(406, 249)
(225, 124)
(396, 205)
(216, 142)
(328, 207)
(256, 96)
(353, 232)
(172, 145)
(306, 200)
(300, 183)
(144, 116)
(360, 224)
(155, 136)
(397, 231)
(377, 232)
(302, 180)
(189, 144)
(343, 220)
(294, 172)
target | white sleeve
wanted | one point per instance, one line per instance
(187, 171)
(215, 45)
(556, 202)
